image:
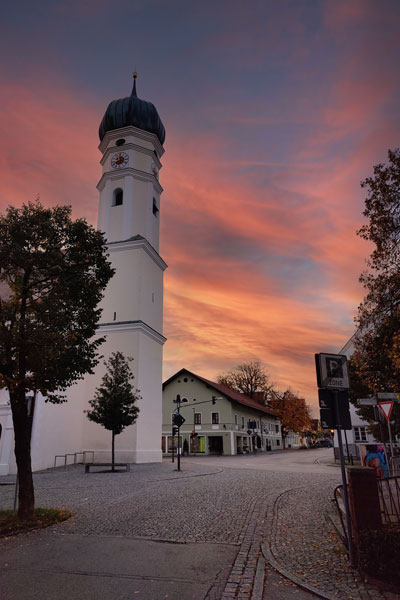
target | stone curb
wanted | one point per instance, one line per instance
(258, 585)
(305, 586)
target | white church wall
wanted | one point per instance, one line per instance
(121, 295)
(60, 425)
(138, 295)
(150, 417)
(95, 437)
(7, 457)
(151, 292)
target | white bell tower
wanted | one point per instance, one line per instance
(132, 135)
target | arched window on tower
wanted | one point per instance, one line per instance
(156, 210)
(117, 197)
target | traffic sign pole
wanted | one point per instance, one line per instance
(390, 441)
(179, 449)
(386, 409)
(344, 481)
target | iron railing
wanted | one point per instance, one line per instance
(75, 455)
(389, 497)
(339, 502)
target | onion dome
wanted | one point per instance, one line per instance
(132, 111)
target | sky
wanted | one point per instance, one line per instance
(274, 113)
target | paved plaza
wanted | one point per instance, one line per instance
(252, 527)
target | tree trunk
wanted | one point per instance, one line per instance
(22, 435)
(113, 452)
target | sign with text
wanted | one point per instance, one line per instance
(332, 372)
(367, 401)
(388, 396)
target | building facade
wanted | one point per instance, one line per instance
(131, 144)
(217, 419)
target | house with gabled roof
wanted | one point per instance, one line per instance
(218, 420)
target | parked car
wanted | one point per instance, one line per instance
(324, 444)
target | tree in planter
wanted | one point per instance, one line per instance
(53, 271)
(113, 406)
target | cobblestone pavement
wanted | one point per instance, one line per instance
(270, 516)
(303, 542)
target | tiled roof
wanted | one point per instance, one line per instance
(231, 394)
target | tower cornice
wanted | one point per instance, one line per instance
(119, 326)
(138, 242)
(129, 171)
(115, 134)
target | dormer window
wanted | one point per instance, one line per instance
(156, 210)
(118, 197)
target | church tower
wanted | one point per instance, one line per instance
(131, 142)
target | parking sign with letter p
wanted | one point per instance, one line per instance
(332, 372)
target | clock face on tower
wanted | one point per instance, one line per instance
(119, 160)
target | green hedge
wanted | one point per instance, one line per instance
(379, 553)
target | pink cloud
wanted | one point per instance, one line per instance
(48, 147)
(264, 260)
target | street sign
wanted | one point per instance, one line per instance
(367, 401)
(332, 372)
(388, 396)
(327, 418)
(386, 408)
(328, 413)
(178, 420)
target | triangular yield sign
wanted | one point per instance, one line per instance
(386, 408)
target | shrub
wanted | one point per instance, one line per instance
(379, 553)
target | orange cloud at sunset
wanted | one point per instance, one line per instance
(48, 147)
(274, 113)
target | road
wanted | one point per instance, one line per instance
(209, 532)
(318, 460)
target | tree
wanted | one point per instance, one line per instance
(113, 406)
(377, 340)
(375, 364)
(53, 271)
(382, 277)
(292, 410)
(250, 379)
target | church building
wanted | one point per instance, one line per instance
(131, 143)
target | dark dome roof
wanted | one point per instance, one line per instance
(132, 111)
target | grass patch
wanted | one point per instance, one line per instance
(43, 517)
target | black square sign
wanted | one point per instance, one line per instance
(332, 371)
(329, 401)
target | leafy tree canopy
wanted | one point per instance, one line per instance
(250, 379)
(375, 364)
(114, 405)
(253, 380)
(376, 360)
(292, 410)
(53, 271)
(382, 277)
